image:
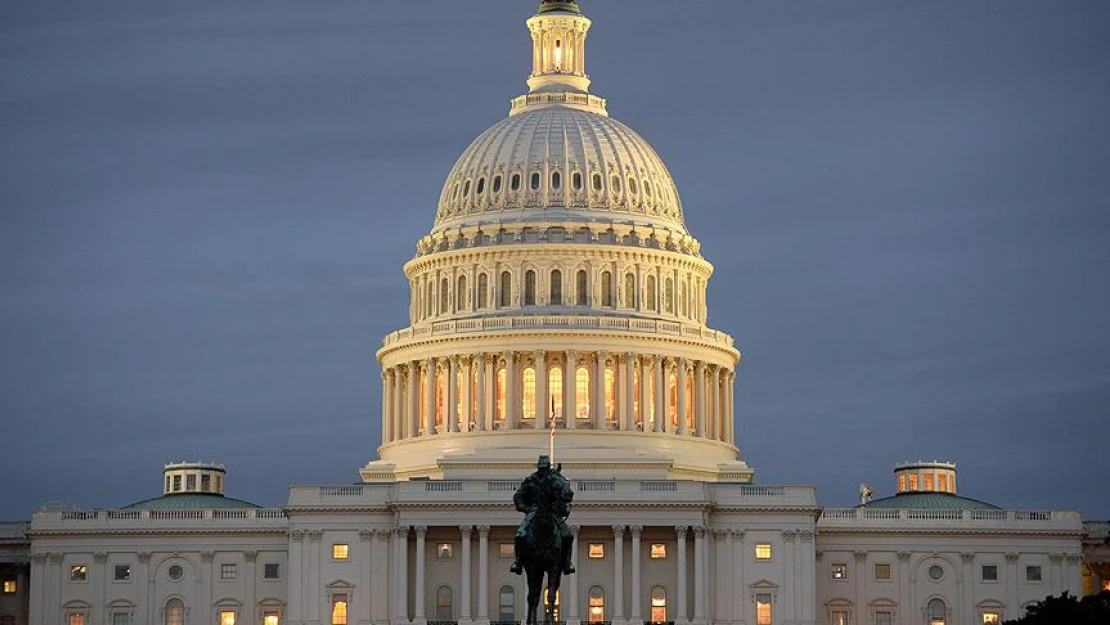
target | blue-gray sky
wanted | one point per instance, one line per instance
(206, 205)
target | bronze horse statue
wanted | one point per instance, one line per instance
(543, 541)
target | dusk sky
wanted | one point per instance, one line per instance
(206, 206)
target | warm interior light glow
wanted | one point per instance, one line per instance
(227, 618)
(597, 550)
(271, 618)
(558, 55)
(763, 551)
(340, 551)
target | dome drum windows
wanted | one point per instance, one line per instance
(481, 185)
(556, 180)
(632, 186)
(514, 183)
(466, 189)
(530, 288)
(535, 182)
(497, 183)
(505, 297)
(596, 181)
(576, 181)
(556, 296)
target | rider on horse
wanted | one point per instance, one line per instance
(545, 490)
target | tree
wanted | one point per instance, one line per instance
(1093, 610)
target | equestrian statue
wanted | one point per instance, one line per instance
(544, 543)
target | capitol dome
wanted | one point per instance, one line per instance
(558, 290)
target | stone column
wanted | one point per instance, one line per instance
(680, 377)
(716, 423)
(739, 559)
(543, 408)
(412, 421)
(618, 574)
(699, 399)
(699, 574)
(636, 613)
(483, 411)
(419, 578)
(660, 394)
(400, 568)
(387, 418)
(483, 574)
(965, 588)
(628, 416)
(645, 393)
(464, 574)
(570, 389)
(379, 581)
(365, 587)
(428, 371)
(453, 393)
(512, 402)
(571, 611)
(682, 614)
(467, 416)
(251, 558)
(598, 407)
(730, 389)
(99, 576)
(398, 405)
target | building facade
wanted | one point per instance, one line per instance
(558, 297)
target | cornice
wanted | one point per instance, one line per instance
(567, 254)
(954, 531)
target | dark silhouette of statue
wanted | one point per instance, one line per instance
(544, 543)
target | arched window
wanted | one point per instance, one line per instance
(606, 288)
(499, 398)
(595, 605)
(339, 610)
(481, 185)
(497, 183)
(683, 300)
(581, 297)
(175, 612)
(556, 180)
(466, 189)
(535, 180)
(576, 180)
(597, 181)
(483, 290)
(514, 183)
(429, 298)
(582, 393)
(651, 293)
(658, 605)
(506, 294)
(460, 295)
(506, 604)
(555, 389)
(445, 604)
(528, 396)
(556, 295)
(629, 290)
(529, 288)
(632, 187)
(455, 192)
(615, 184)
(444, 293)
(668, 295)
(936, 612)
(610, 394)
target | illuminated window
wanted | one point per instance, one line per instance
(227, 571)
(928, 477)
(505, 551)
(762, 609)
(651, 293)
(629, 290)
(1106, 585)
(460, 294)
(942, 483)
(271, 618)
(460, 384)
(582, 393)
(636, 416)
(763, 551)
(421, 408)
(506, 604)
(682, 299)
(658, 605)
(991, 617)
(1033, 573)
(555, 297)
(340, 551)
(529, 288)
(535, 181)
(672, 395)
(668, 295)
(271, 570)
(499, 397)
(913, 481)
(445, 604)
(990, 573)
(840, 571)
(441, 398)
(610, 394)
(658, 552)
(506, 289)
(445, 551)
(121, 572)
(175, 612)
(78, 573)
(10, 587)
(596, 551)
(901, 482)
(339, 610)
(839, 617)
(595, 605)
(580, 283)
(606, 288)
(936, 612)
(76, 619)
(483, 291)
(227, 617)
(882, 571)
(555, 384)
(690, 402)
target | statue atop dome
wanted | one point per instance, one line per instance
(570, 6)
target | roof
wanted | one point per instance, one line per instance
(190, 501)
(930, 501)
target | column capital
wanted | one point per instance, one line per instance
(904, 556)
(54, 557)
(465, 531)
(574, 529)
(207, 556)
(720, 534)
(296, 535)
(315, 535)
(572, 356)
(100, 557)
(1074, 558)
(402, 531)
(421, 530)
(636, 530)
(738, 534)
(250, 556)
(806, 536)
(413, 367)
(366, 534)
(860, 555)
(454, 359)
(483, 531)
(618, 531)
(1055, 558)
(681, 530)
(1011, 557)
(700, 366)
(539, 355)
(788, 535)
(699, 531)
(967, 557)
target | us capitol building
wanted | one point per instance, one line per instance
(558, 280)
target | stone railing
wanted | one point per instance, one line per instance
(556, 322)
(878, 517)
(109, 520)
